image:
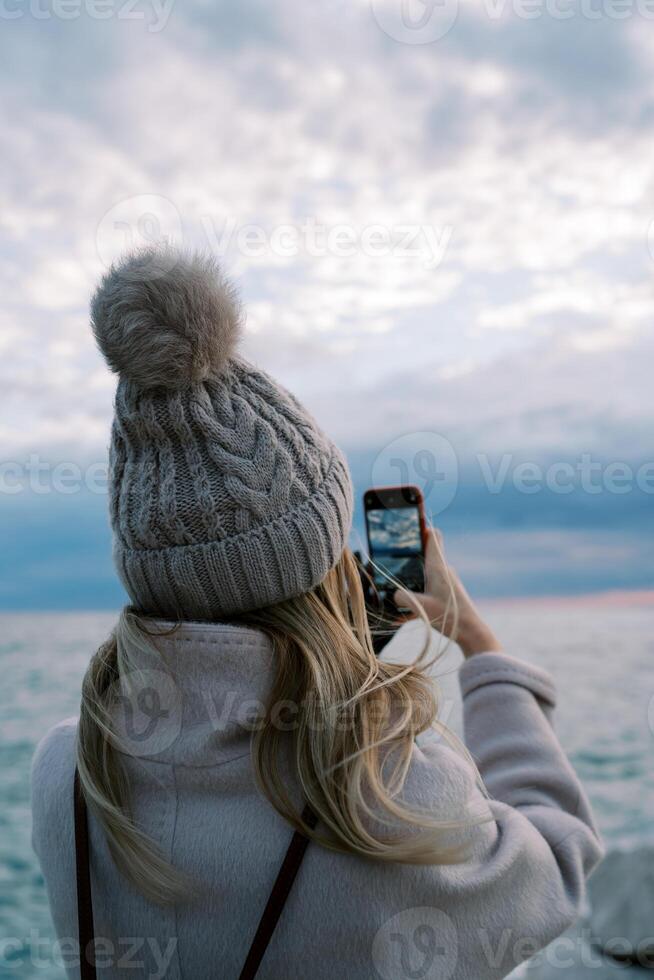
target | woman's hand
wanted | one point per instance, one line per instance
(445, 594)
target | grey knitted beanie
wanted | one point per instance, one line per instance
(225, 495)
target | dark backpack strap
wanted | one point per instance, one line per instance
(274, 907)
(280, 892)
(84, 899)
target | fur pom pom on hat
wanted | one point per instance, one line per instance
(225, 495)
(165, 318)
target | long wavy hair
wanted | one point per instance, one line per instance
(355, 720)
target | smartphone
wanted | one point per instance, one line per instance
(397, 534)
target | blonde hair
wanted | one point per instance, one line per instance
(355, 720)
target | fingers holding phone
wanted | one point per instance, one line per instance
(447, 602)
(404, 550)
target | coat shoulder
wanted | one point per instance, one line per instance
(53, 767)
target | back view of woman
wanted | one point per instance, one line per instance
(239, 700)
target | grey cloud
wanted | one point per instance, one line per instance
(579, 72)
(222, 24)
(544, 399)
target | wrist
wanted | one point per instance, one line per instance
(476, 637)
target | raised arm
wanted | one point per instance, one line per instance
(528, 882)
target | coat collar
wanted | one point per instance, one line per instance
(193, 693)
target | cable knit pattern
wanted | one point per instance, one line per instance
(225, 495)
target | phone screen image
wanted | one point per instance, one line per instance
(395, 543)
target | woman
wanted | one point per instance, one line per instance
(240, 700)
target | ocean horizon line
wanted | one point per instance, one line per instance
(613, 598)
(616, 598)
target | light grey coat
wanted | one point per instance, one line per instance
(346, 917)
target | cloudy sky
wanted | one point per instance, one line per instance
(439, 216)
